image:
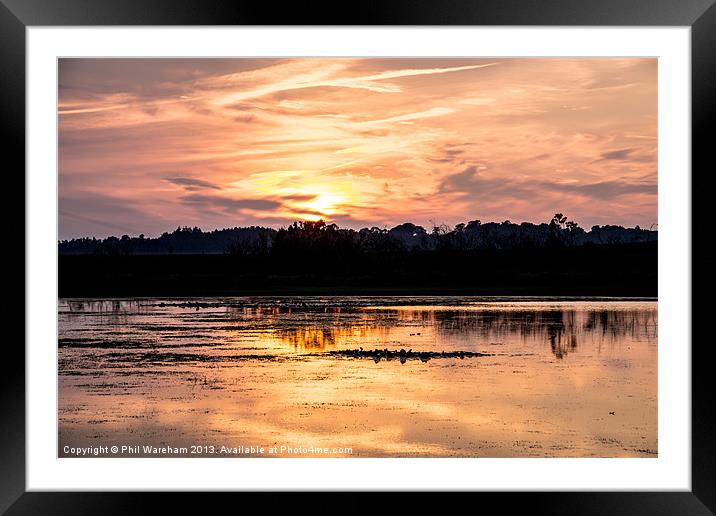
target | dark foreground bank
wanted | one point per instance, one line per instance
(598, 270)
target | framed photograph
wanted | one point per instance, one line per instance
(427, 248)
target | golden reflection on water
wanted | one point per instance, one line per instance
(562, 329)
(563, 379)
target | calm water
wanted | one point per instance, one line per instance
(558, 378)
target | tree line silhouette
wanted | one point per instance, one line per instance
(553, 258)
(321, 239)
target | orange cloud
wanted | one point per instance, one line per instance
(229, 142)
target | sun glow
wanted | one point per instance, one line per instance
(324, 204)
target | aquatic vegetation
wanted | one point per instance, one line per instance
(385, 354)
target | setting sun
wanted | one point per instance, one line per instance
(325, 203)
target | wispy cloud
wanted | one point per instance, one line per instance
(228, 142)
(616, 155)
(229, 203)
(191, 183)
(323, 78)
(477, 185)
(150, 105)
(428, 113)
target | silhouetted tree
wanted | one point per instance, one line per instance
(319, 242)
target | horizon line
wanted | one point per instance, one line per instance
(327, 222)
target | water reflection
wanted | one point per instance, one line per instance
(294, 326)
(311, 337)
(274, 369)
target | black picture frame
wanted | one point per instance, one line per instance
(700, 15)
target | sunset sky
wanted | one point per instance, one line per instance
(146, 145)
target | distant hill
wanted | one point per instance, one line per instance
(307, 237)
